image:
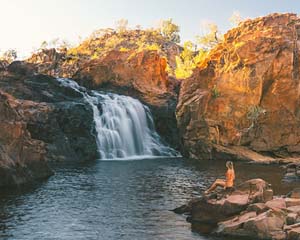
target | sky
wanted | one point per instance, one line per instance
(25, 24)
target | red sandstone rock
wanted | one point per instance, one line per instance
(295, 193)
(246, 92)
(257, 207)
(294, 234)
(22, 158)
(278, 203)
(243, 213)
(290, 202)
(143, 72)
(213, 210)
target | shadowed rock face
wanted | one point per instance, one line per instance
(22, 158)
(246, 93)
(40, 121)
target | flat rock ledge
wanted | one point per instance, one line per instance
(250, 211)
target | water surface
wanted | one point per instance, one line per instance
(117, 199)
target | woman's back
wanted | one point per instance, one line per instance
(230, 176)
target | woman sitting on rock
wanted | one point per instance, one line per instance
(226, 184)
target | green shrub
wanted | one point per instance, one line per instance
(170, 30)
(215, 92)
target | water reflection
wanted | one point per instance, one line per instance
(117, 200)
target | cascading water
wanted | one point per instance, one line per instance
(124, 126)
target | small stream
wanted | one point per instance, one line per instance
(115, 200)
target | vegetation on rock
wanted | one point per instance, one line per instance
(170, 30)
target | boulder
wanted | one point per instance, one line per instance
(290, 202)
(278, 203)
(21, 68)
(257, 207)
(186, 208)
(294, 234)
(212, 210)
(295, 193)
(267, 225)
(291, 218)
(237, 96)
(246, 213)
(232, 226)
(294, 209)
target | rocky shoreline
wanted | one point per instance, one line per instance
(250, 211)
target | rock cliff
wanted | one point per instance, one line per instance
(22, 158)
(243, 99)
(41, 121)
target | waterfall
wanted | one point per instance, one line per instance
(124, 126)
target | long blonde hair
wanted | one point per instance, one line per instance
(229, 165)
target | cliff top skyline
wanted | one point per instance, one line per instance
(25, 24)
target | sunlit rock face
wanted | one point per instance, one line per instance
(143, 72)
(245, 93)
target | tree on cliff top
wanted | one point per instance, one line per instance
(9, 55)
(170, 30)
(210, 38)
(121, 25)
(235, 19)
(190, 57)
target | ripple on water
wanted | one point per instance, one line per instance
(116, 200)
